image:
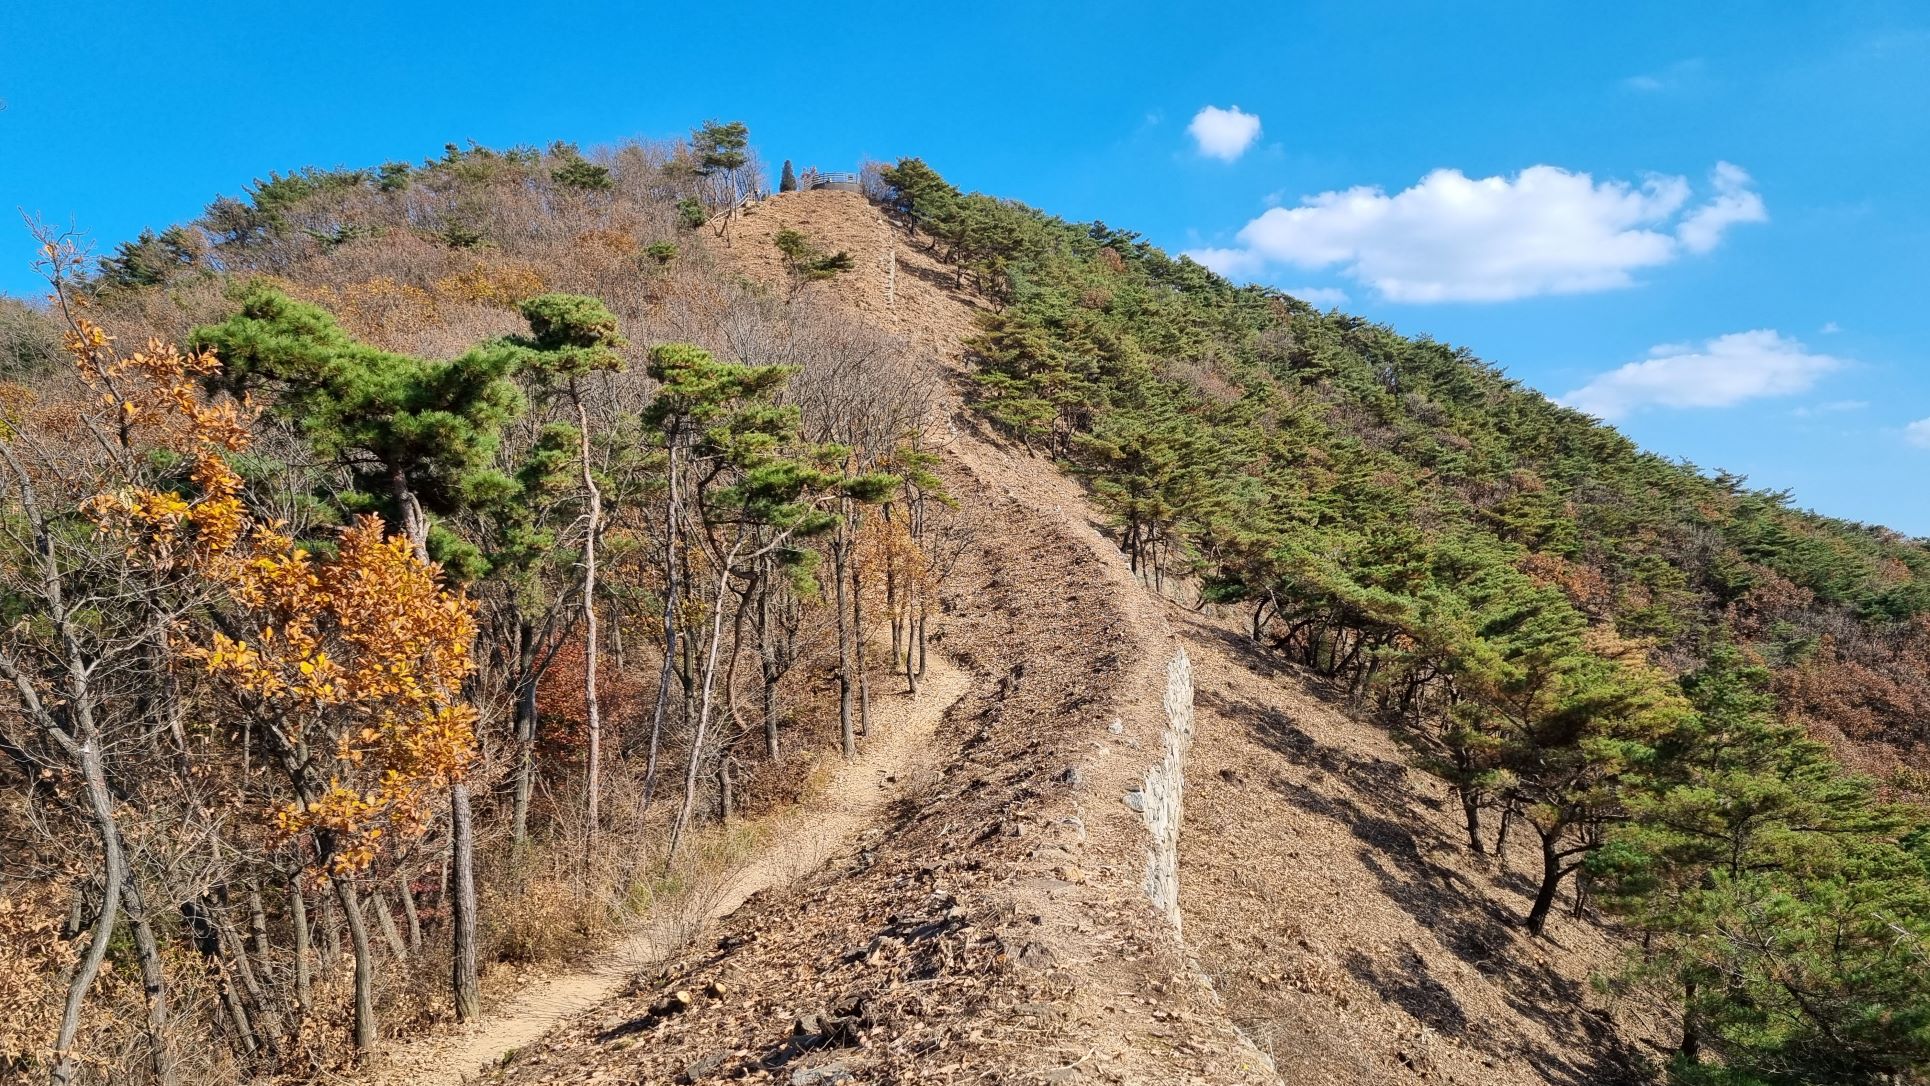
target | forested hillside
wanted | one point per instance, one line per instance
(419, 573)
(440, 561)
(1307, 462)
(1618, 655)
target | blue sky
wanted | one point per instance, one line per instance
(1724, 248)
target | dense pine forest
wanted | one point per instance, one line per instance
(425, 570)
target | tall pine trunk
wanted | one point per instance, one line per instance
(670, 565)
(593, 496)
(857, 646)
(525, 728)
(462, 913)
(840, 558)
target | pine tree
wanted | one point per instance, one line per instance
(1779, 899)
(787, 181)
(418, 436)
(918, 192)
(721, 150)
(806, 262)
(571, 337)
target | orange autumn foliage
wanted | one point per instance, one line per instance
(357, 660)
(153, 397)
(353, 660)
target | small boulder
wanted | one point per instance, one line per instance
(703, 1068)
(1036, 955)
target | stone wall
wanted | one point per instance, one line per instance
(1160, 798)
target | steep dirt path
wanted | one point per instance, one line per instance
(800, 840)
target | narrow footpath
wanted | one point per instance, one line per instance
(800, 841)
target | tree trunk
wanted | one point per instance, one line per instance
(407, 898)
(699, 736)
(298, 922)
(769, 707)
(592, 712)
(358, 934)
(893, 611)
(331, 935)
(1552, 872)
(258, 925)
(911, 672)
(415, 526)
(267, 1022)
(846, 731)
(385, 922)
(767, 669)
(231, 1002)
(525, 728)
(154, 989)
(857, 648)
(1690, 1050)
(1501, 838)
(114, 861)
(669, 628)
(1471, 814)
(462, 907)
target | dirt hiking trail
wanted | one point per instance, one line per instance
(800, 840)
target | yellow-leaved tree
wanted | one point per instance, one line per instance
(350, 666)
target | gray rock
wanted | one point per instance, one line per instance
(1035, 955)
(1135, 799)
(825, 1074)
(704, 1068)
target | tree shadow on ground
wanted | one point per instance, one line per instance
(944, 280)
(1378, 803)
(1410, 986)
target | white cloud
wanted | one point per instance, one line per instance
(1918, 433)
(1677, 76)
(1224, 134)
(1734, 202)
(1545, 230)
(1720, 373)
(1232, 263)
(1830, 328)
(1319, 297)
(1833, 407)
